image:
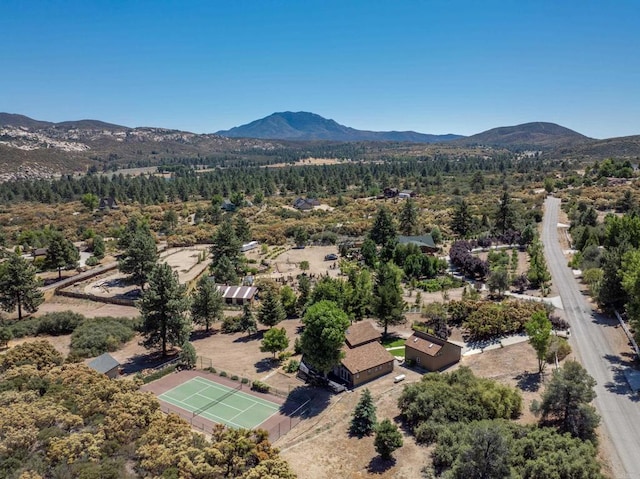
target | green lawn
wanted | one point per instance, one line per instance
(393, 342)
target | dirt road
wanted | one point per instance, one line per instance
(616, 403)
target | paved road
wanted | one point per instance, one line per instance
(619, 408)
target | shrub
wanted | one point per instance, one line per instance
(297, 346)
(284, 355)
(99, 335)
(260, 387)
(5, 336)
(92, 261)
(244, 381)
(25, 327)
(57, 324)
(159, 374)
(231, 324)
(292, 366)
(559, 345)
(223, 374)
(234, 378)
(211, 369)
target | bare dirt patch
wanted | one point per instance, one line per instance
(287, 264)
(307, 162)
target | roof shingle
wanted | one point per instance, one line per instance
(365, 357)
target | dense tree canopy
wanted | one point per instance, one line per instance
(323, 336)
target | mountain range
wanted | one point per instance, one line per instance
(34, 148)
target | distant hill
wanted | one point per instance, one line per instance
(309, 126)
(528, 136)
(621, 147)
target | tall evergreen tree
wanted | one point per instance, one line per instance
(248, 321)
(409, 218)
(505, 214)
(140, 257)
(207, 303)
(462, 220)
(224, 271)
(242, 229)
(61, 253)
(304, 292)
(384, 229)
(387, 304)
(163, 309)
(271, 311)
(538, 274)
(363, 421)
(224, 250)
(19, 286)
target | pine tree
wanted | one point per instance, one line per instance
(163, 309)
(387, 304)
(505, 215)
(383, 230)
(61, 253)
(248, 321)
(271, 312)
(462, 220)
(363, 422)
(409, 218)
(140, 257)
(207, 303)
(242, 229)
(19, 286)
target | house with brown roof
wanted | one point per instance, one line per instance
(430, 352)
(365, 359)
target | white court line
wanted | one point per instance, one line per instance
(207, 413)
(264, 402)
(221, 402)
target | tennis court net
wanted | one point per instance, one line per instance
(202, 409)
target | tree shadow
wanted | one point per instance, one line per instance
(140, 362)
(377, 465)
(529, 382)
(202, 334)
(604, 320)
(250, 337)
(620, 384)
(306, 401)
(266, 364)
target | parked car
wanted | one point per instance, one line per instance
(331, 257)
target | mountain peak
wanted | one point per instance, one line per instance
(303, 125)
(537, 135)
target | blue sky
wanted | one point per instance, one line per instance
(429, 66)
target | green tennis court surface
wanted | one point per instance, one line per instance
(220, 404)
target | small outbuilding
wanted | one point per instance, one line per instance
(105, 364)
(109, 203)
(237, 294)
(305, 204)
(430, 352)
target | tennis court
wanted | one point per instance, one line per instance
(220, 404)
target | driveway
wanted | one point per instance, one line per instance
(615, 402)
